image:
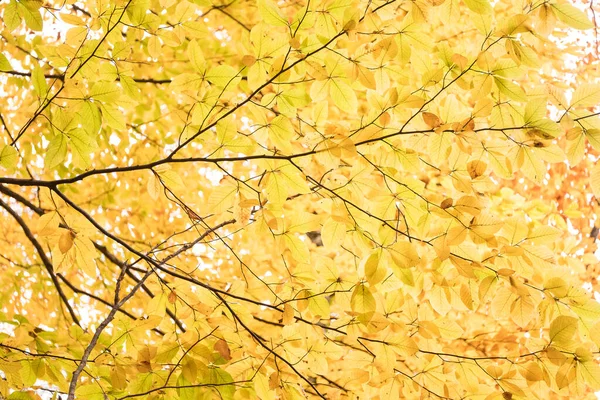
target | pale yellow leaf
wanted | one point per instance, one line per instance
(343, 95)
(562, 329)
(362, 300)
(572, 16)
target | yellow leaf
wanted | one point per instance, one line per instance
(223, 76)
(261, 387)
(593, 136)
(448, 328)
(319, 306)
(9, 157)
(154, 46)
(373, 269)
(171, 179)
(479, 6)
(590, 371)
(288, 314)
(84, 254)
(65, 242)
(343, 95)
(510, 89)
(533, 167)
(297, 247)
(544, 234)
(566, 374)
(106, 92)
(404, 254)
(194, 52)
(153, 187)
(586, 95)
(572, 16)
(271, 14)
(595, 180)
(562, 329)
(48, 223)
(532, 371)
(362, 301)
(56, 152)
(11, 17)
(223, 197)
(522, 311)
(31, 14)
(281, 133)
(4, 63)
(333, 233)
(439, 146)
(157, 305)
(576, 149)
(431, 120)
(82, 147)
(39, 82)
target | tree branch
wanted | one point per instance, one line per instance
(47, 263)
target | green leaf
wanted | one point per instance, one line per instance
(572, 16)
(130, 88)
(29, 372)
(21, 396)
(221, 377)
(112, 116)
(271, 14)
(510, 89)
(12, 19)
(106, 92)
(83, 146)
(32, 16)
(223, 76)
(92, 392)
(4, 63)
(194, 52)
(57, 151)
(39, 82)
(8, 157)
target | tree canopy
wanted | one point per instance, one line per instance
(333, 199)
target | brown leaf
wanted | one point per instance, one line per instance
(65, 242)
(172, 297)
(248, 60)
(476, 168)
(431, 120)
(274, 380)
(288, 314)
(446, 203)
(222, 348)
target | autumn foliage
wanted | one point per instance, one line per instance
(244, 199)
